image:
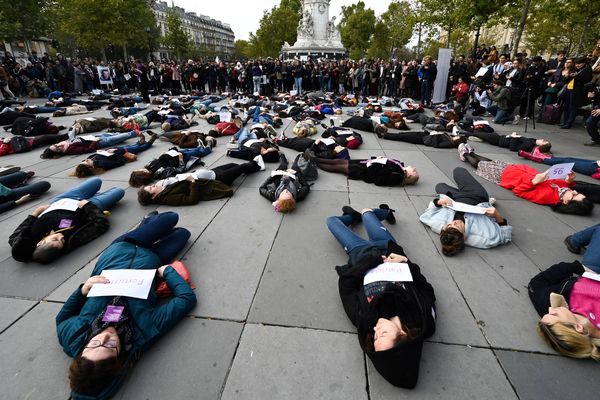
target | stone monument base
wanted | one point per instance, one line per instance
(334, 53)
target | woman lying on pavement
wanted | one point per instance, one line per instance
(71, 220)
(86, 144)
(439, 140)
(168, 164)
(457, 228)
(378, 170)
(104, 160)
(565, 196)
(568, 302)
(201, 185)
(513, 142)
(582, 165)
(14, 189)
(285, 187)
(393, 317)
(106, 335)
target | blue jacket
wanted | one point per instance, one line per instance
(481, 231)
(73, 322)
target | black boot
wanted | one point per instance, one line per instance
(356, 216)
(390, 217)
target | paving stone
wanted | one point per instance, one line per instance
(429, 174)
(13, 309)
(33, 364)
(191, 362)
(540, 377)
(336, 366)
(480, 376)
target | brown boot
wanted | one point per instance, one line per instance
(152, 138)
(141, 139)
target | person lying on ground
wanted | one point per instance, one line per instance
(378, 170)
(21, 144)
(168, 164)
(513, 142)
(393, 317)
(27, 126)
(70, 220)
(15, 190)
(189, 139)
(86, 144)
(457, 228)
(563, 195)
(103, 349)
(201, 185)
(284, 187)
(114, 157)
(568, 303)
(250, 146)
(582, 165)
(439, 140)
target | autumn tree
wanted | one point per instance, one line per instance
(356, 27)
(277, 26)
(176, 38)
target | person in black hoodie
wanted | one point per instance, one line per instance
(393, 317)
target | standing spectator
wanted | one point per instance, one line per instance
(575, 95)
(298, 76)
(428, 75)
(592, 122)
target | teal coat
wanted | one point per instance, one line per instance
(151, 321)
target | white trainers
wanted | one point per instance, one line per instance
(259, 160)
(232, 145)
(516, 120)
(492, 201)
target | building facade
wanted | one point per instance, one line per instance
(210, 35)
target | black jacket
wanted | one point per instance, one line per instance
(416, 301)
(390, 174)
(558, 279)
(93, 223)
(269, 187)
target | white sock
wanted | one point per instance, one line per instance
(259, 160)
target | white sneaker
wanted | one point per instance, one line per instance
(259, 160)
(492, 201)
(516, 120)
(232, 145)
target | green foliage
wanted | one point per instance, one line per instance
(24, 19)
(242, 50)
(276, 27)
(96, 24)
(356, 26)
(176, 38)
(380, 42)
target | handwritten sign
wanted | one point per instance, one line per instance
(327, 141)
(560, 171)
(124, 282)
(224, 116)
(389, 272)
(282, 173)
(466, 208)
(104, 153)
(62, 204)
(293, 92)
(173, 153)
(89, 138)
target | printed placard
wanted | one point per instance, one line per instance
(173, 153)
(225, 116)
(62, 204)
(560, 171)
(389, 272)
(124, 282)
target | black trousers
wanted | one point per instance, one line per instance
(469, 191)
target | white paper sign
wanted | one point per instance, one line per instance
(389, 272)
(382, 161)
(90, 119)
(591, 275)
(560, 171)
(376, 119)
(104, 153)
(224, 116)
(349, 96)
(482, 71)
(124, 282)
(173, 153)
(90, 138)
(481, 122)
(462, 207)
(293, 92)
(282, 173)
(62, 204)
(327, 141)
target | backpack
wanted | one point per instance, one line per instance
(515, 97)
(20, 144)
(306, 166)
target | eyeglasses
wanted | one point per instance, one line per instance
(111, 344)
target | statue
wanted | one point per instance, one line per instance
(333, 33)
(305, 28)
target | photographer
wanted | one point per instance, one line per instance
(502, 108)
(591, 124)
(481, 100)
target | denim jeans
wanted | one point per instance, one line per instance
(257, 80)
(298, 85)
(426, 89)
(590, 238)
(583, 166)
(18, 178)
(350, 241)
(88, 190)
(194, 152)
(243, 136)
(501, 116)
(591, 125)
(109, 139)
(14, 179)
(158, 233)
(136, 148)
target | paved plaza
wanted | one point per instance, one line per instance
(269, 323)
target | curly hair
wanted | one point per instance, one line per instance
(453, 241)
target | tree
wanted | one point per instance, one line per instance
(176, 38)
(242, 50)
(393, 30)
(26, 20)
(380, 42)
(277, 26)
(356, 26)
(96, 24)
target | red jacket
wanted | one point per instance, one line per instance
(517, 177)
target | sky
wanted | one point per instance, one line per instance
(244, 15)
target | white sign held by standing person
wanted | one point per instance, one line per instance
(124, 282)
(560, 171)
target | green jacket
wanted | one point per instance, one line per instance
(502, 98)
(185, 193)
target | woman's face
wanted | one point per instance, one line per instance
(153, 189)
(565, 316)
(55, 239)
(572, 195)
(411, 171)
(387, 332)
(88, 161)
(104, 345)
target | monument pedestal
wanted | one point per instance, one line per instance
(318, 36)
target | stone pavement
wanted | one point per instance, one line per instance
(269, 322)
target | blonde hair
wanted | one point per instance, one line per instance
(284, 205)
(565, 340)
(410, 179)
